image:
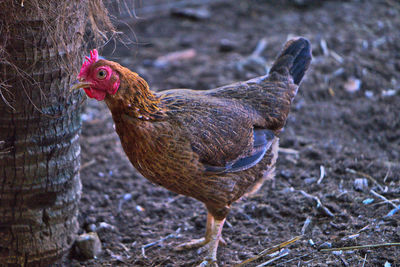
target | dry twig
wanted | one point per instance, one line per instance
(365, 259)
(385, 202)
(293, 259)
(306, 225)
(283, 254)
(322, 174)
(174, 235)
(288, 150)
(324, 47)
(383, 198)
(269, 251)
(361, 247)
(387, 174)
(336, 56)
(319, 203)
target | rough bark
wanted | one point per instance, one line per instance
(40, 51)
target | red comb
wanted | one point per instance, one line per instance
(94, 56)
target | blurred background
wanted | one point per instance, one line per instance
(341, 143)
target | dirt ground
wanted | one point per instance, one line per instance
(344, 125)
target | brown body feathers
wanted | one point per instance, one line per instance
(212, 145)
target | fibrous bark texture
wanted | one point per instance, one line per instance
(40, 51)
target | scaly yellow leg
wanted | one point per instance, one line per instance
(211, 258)
(208, 243)
(195, 243)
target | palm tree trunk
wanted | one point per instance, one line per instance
(40, 51)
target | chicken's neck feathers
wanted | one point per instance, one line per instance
(135, 98)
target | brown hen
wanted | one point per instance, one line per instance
(214, 145)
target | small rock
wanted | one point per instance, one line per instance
(352, 85)
(360, 184)
(389, 92)
(326, 245)
(104, 225)
(89, 245)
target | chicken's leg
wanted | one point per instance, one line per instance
(195, 243)
(209, 242)
(211, 258)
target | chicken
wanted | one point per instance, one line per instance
(214, 145)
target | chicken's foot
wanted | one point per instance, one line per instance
(201, 242)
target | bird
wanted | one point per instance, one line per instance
(214, 145)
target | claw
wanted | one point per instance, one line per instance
(204, 248)
(195, 243)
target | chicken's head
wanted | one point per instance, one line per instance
(97, 77)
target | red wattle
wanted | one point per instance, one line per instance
(88, 92)
(96, 94)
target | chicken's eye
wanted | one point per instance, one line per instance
(101, 74)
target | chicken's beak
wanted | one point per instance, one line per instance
(80, 84)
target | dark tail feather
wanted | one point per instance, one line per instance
(294, 59)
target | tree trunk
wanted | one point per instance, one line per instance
(40, 52)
